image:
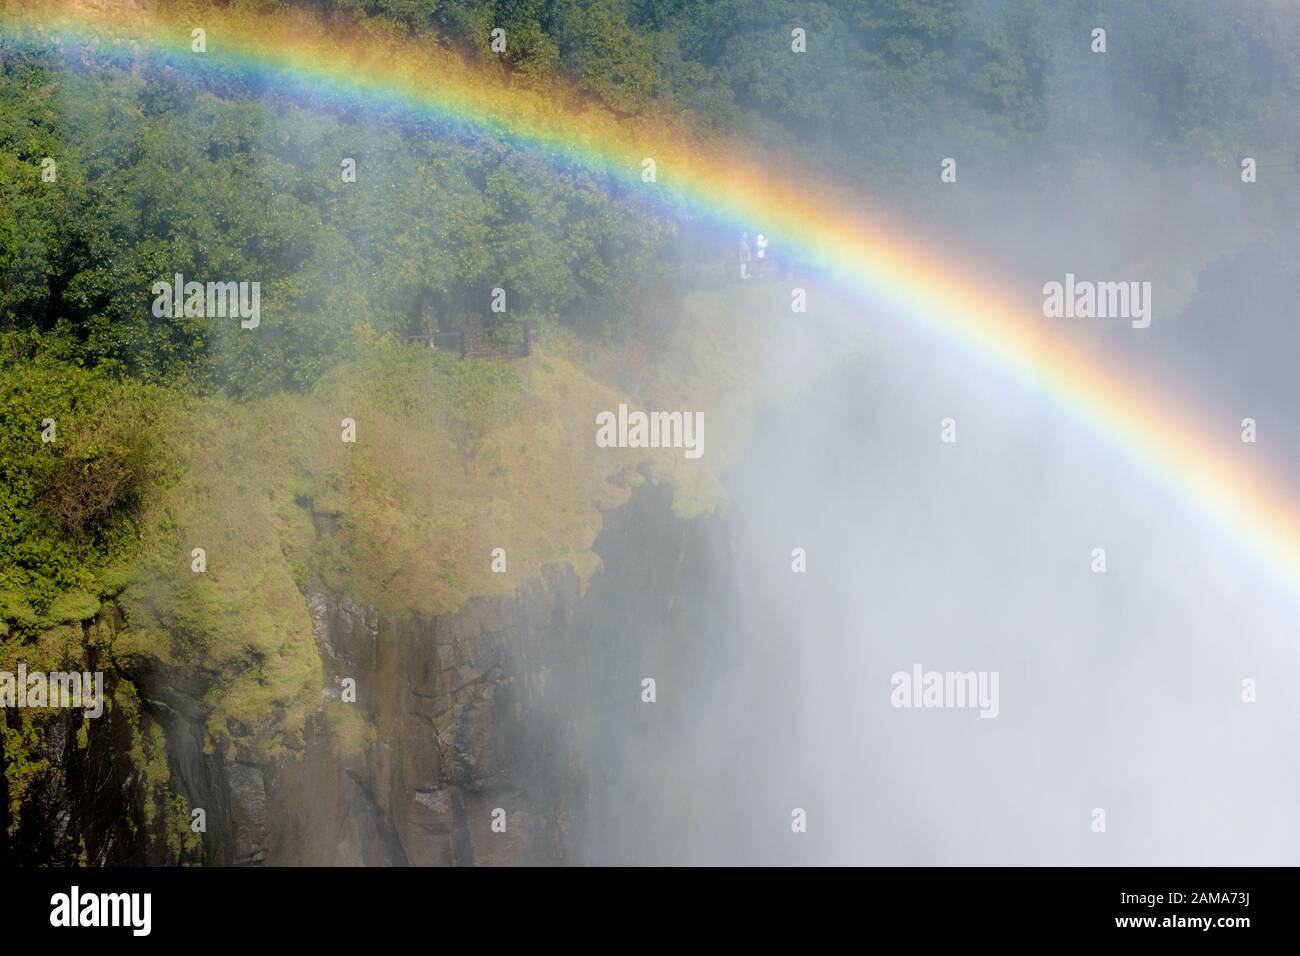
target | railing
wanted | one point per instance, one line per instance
(504, 341)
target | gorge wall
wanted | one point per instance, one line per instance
(530, 704)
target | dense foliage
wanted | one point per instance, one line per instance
(155, 179)
(886, 76)
(160, 173)
(77, 450)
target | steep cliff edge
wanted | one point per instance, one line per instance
(510, 709)
(310, 655)
(508, 706)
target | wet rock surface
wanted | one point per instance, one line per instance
(497, 734)
(512, 710)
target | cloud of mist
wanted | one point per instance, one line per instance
(1120, 691)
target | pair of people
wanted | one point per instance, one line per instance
(746, 257)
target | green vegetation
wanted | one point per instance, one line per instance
(69, 501)
(891, 78)
(163, 170)
(157, 176)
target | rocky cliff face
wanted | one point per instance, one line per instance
(510, 711)
(457, 727)
(511, 731)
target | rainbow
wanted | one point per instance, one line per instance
(866, 254)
